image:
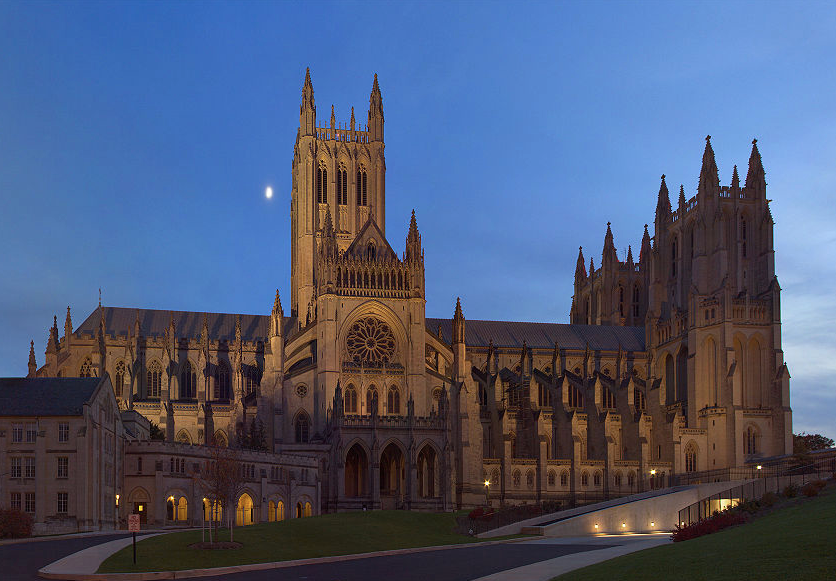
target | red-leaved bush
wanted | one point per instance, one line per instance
(712, 524)
(14, 524)
(480, 512)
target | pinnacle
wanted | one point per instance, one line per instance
(458, 314)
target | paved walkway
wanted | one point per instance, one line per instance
(512, 560)
(548, 569)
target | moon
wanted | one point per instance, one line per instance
(268, 193)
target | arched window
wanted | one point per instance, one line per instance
(691, 457)
(751, 441)
(529, 479)
(370, 254)
(342, 186)
(251, 379)
(621, 301)
(609, 399)
(322, 185)
(350, 399)
(436, 398)
(575, 397)
(631, 479)
(585, 479)
(303, 426)
(393, 400)
(617, 479)
(516, 478)
(743, 236)
(119, 382)
(552, 478)
(673, 257)
(483, 395)
(372, 401)
(639, 400)
(597, 479)
(221, 381)
(636, 299)
(86, 369)
(544, 395)
(188, 381)
(564, 479)
(154, 380)
(361, 186)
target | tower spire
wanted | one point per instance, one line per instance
(277, 305)
(663, 203)
(307, 110)
(68, 326)
(735, 178)
(352, 119)
(709, 177)
(458, 323)
(609, 255)
(333, 118)
(413, 241)
(644, 253)
(580, 266)
(53, 344)
(681, 196)
(756, 177)
(33, 365)
(376, 112)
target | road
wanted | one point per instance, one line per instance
(21, 561)
(440, 565)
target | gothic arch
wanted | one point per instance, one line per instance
(183, 437)
(428, 468)
(357, 441)
(302, 427)
(356, 469)
(691, 456)
(220, 440)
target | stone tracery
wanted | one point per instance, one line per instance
(370, 340)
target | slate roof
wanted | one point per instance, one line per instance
(46, 396)
(543, 335)
(120, 320)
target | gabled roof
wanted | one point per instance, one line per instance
(370, 230)
(46, 396)
(543, 335)
(189, 324)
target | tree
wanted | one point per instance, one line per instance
(222, 481)
(157, 433)
(803, 443)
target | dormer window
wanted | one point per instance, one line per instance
(370, 251)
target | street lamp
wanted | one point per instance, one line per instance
(487, 492)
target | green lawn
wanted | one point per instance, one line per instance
(321, 536)
(797, 542)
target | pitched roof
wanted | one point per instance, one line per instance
(46, 396)
(543, 335)
(120, 321)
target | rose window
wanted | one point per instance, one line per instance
(370, 340)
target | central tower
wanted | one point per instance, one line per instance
(339, 171)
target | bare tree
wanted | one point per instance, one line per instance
(222, 481)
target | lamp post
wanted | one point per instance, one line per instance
(117, 512)
(652, 478)
(487, 492)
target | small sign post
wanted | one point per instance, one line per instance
(133, 527)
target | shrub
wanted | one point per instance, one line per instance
(14, 524)
(769, 499)
(749, 506)
(819, 484)
(810, 489)
(714, 523)
(790, 490)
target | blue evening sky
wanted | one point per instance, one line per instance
(136, 141)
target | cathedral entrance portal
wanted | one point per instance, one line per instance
(392, 484)
(356, 472)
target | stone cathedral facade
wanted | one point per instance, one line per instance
(671, 363)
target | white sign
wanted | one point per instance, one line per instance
(133, 523)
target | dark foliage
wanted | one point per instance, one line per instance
(803, 443)
(790, 490)
(14, 524)
(157, 433)
(717, 522)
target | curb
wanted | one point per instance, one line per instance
(192, 573)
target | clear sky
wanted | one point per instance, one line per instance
(136, 141)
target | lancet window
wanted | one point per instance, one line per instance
(221, 390)
(154, 380)
(188, 381)
(350, 400)
(322, 185)
(362, 189)
(342, 186)
(393, 400)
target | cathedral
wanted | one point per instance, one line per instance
(671, 362)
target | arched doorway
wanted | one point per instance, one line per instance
(356, 472)
(245, 512)
(427, 471)
(391, 477)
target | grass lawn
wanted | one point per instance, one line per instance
(320, 536)
(797, 542)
